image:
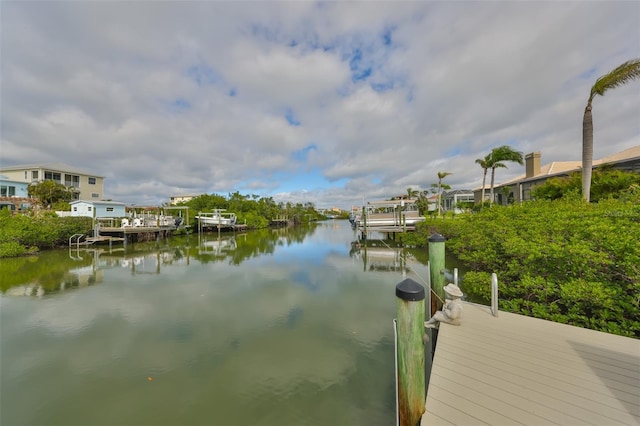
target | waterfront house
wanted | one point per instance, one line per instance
(177, 199)
(14, 195)
(520, 188)
(10, 188)
(97, 208)
(85, 186)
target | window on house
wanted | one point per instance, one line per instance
(54, 176)
(7, 191)
(25, 175)
(75, 209)
(89, 208)
(94, 195)
(92, 181)
(109, 209)
(72, 181)
(34, 175)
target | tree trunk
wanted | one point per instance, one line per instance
(587, 152)
(493, 174)
(484, 182)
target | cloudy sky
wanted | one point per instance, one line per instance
(329, 103)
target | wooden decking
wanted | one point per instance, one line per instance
(135, 230)
(516, 370)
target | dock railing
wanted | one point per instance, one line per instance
(77, 238)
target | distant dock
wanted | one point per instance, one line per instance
(517, 370)
(131, 233)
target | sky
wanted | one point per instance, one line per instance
(333, 103)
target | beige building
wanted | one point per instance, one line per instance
(177, 199)
(520, 188)
(85, 186)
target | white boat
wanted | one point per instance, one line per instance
(150, 220)
(217, 218)
(218, 246)
(390, 213)
(158, 220)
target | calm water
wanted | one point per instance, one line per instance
(277, 327)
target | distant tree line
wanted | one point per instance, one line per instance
(254, 210)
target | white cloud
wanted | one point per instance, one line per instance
(193, 98)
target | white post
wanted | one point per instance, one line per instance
(494, 294)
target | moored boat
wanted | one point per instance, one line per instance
(402, 212)
(217, 218)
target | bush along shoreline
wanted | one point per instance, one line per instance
(24, 234)
(565, 260)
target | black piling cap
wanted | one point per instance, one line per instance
(436, 238)
(410, 290)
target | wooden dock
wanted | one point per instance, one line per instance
(135, 230)
(517, 370)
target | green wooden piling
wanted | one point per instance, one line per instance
(364, 217)
(410, 297)
(436, 273)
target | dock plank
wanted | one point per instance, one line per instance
(513, 369)
(572, 382)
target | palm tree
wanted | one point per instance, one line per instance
(485, 164)
(412, 193)
(497, 157)
(441, 175)
(626, 72)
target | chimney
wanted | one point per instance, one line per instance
(532, 164)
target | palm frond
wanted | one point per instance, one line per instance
(485, 162)
(624, 73)
(506, 153)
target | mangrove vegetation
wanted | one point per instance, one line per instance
(562, 260)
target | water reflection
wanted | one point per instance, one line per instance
(275, 327)
(380, 256)
(58, 270)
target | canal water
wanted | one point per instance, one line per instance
(271, 327)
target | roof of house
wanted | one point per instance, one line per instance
(4, 178)
(627, 154)
(58, 167)
(563, 167)
(457, 191)
(102, 203)
(391, 202)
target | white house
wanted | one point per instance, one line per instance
(97, 208)
(176, 199)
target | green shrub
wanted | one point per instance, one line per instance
(45, 230)
(12, 249)
(563, 260)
